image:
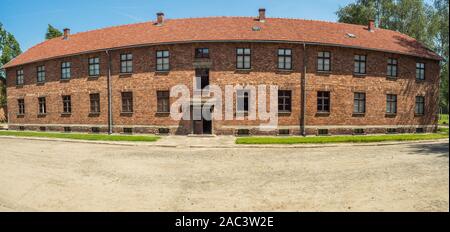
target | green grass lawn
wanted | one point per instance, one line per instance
(341, 139)
(443, 119)
(95, 137)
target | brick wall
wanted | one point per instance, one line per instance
(145, 81)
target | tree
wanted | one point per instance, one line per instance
(9, 48)
(52, 32)
(426, 23)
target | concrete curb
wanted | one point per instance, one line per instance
(154, 144)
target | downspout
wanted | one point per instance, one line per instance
(303, 90)
(109, 87)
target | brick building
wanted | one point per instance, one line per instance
(333, 78)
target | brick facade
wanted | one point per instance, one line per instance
(144, 82)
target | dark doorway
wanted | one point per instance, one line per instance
(202, 78)
(201, 124)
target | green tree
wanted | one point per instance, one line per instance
(52, 32)
(9, 48)
(426, 23)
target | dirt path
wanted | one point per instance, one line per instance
(61, 176)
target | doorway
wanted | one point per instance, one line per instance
(201, 123)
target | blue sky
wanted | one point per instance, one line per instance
(28, 19)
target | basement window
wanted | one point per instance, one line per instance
(284, 132)
(21, 128)
(322, 132)
(95, 130)
(42, 128)
(420, 130)
(67, 129)
(243, 132)
(391, 130)
(358, 131)
(128, 130)
(163, 131)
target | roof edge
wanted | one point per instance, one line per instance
(437, 58)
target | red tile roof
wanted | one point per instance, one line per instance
(225, 29)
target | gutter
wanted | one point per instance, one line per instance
(109, 88)
(303, 93)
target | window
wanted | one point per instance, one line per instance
(128, 130)
(67, 129)
(420, 71)
(95, 130)
(323, 102)
(243, 132)
(95, 102)
(163, 131)
(420, 130)
(201, 53)
(243, 58)
(391, 104)
(163, 101)
(67, 104)
(391, 130)
(65, 70)
(42, 105)
(285, 59)
(284, 100)
(284, 132)
(360, 64)
(162, 61)
(392, 67)
(127, 102)
(41, 74)
(323, 62)
(126, 63)
(19, 77)
(42, 128)
(359, 103)
(420, 105)
(358, 131)
(322, 132)
(242, 100)
(21, 106)
(94, 66)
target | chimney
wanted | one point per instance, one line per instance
(159, 18)
(262, 14)
(371, 25)
(66, 33)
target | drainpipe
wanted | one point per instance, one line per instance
(109, 87)
(303, 90)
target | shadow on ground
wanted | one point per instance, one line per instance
(440, 149)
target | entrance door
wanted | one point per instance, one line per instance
(202, 124)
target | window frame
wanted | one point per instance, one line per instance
(243, 55)
(322, 102)
(284, 56)
(94, 66)
(165, 66)
(126, 63)
(323, 58)
(163, 101)
(285, 101)
(200, 54)
(242, 95)
(392, 64)
(359, 103)
(67, 104)
(391, 103)
(418, 110)
(20, 76)
(420, 71)
(66, 70)
(127, 102)
(94, 101)
(358, 61)
(40, 76)
(21, 106)
(42, 103)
